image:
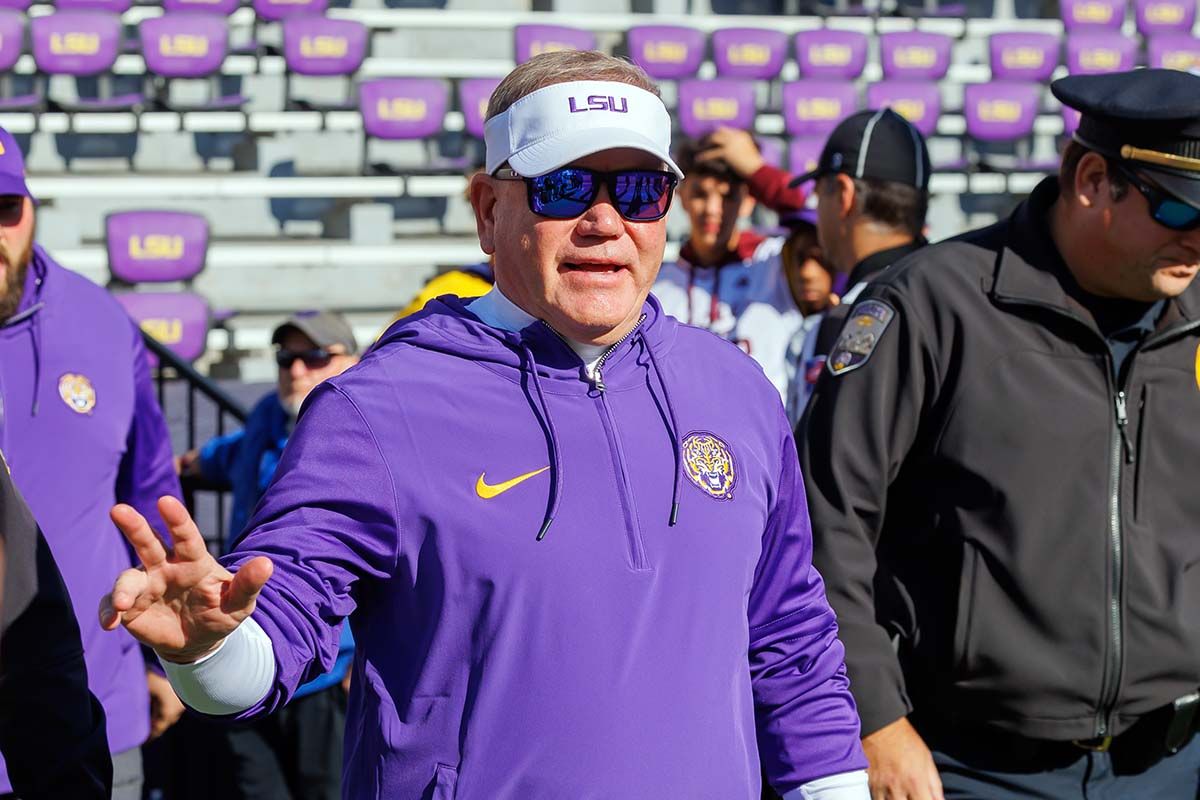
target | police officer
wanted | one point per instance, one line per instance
(872, 195)
(1008, 523)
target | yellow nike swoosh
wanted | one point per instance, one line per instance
(487, 491)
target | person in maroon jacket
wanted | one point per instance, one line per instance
(728, 279)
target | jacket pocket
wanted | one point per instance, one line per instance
(445, 783)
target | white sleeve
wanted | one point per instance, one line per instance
(232, 678)
(843, 786)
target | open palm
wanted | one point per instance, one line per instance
(182, 602)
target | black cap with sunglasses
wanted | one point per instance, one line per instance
(1147, 122)
(325, 329)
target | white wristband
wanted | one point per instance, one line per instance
(232, 678)
(843, 786)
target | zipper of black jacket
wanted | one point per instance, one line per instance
(1110, 687)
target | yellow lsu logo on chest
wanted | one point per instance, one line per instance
(708, 463)
(77, 392)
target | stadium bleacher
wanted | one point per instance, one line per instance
(326, 147)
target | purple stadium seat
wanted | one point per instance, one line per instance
(12, 37)
(705, 106)
(771, 151)
(815, 107)
(323, 46)
(1164, 16)
(189, 46)
(667, 52)
(473, 97)
(1174, 51)
(1001, 111)
(804, 153)
(914, 54)
(177, 319)
(1092, 52)
(532, 40)
(1023, 56)
(275, 10)
(754, 53)
(76, 42)
(829, 53)
(403, 108)
(155, 246)
(919, 102)
(1093, 14)
(12, 41)
(111, 6)
(19, 5)
(82, 44)
(221, 7)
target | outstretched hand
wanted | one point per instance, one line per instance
(181, 603)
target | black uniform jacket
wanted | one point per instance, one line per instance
(1034, 520)
(51, 727)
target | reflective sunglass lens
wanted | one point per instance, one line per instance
(1177, 215)
(642, 196)
(564, 193)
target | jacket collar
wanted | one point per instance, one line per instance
(875, 263)
(1030, 268)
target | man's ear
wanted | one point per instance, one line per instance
(1092, 180)
(846, 196)
(482, 193)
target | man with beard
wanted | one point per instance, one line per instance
(81, 429)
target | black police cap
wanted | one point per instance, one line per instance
(1147, 118)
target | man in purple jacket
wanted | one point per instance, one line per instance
(81, 430)
(569, 531)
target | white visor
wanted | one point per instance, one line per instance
(554, 126)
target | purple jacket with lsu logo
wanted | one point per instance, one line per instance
(619, 656)
(81, 429)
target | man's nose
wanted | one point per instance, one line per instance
(601, 218)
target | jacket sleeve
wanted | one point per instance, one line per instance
(147, 470)
(807, 724)
(853, 439)
(218, 455)
(327, 522)
(769, 186)
(52, 729)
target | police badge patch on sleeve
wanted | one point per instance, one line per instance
(868, 320)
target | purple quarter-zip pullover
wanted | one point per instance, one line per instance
(619, 656)
(81, 430)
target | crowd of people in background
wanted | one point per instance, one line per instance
(810, 300)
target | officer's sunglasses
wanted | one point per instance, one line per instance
(317, 358)
(1165, 208)
(639, 195)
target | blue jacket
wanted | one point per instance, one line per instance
(245, 462)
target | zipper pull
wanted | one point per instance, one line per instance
(1122, 421)
(598, 380)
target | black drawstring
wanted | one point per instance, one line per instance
(673, 431)
(552, 434)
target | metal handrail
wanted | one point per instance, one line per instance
(224, 403)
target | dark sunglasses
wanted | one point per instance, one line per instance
(639, 195)
(1165, 208)
(317, 358)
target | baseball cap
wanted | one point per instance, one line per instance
(325, 328)
(561, 123)
(879, 145)
(1146, 118)
(12, 167)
